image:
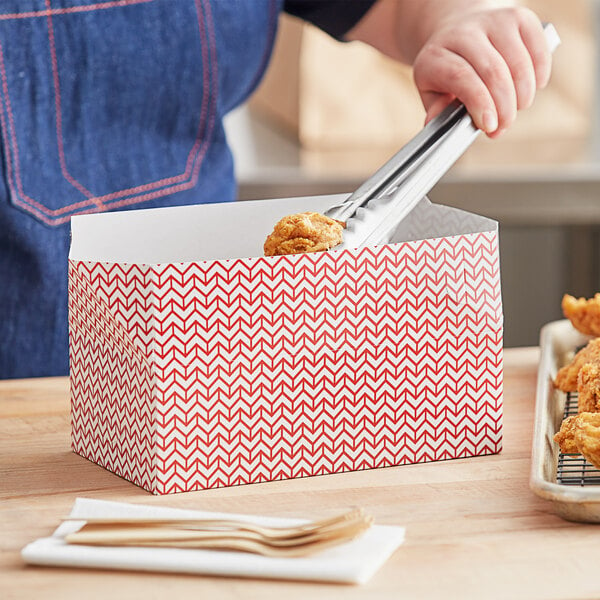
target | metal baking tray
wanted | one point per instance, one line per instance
(570, 483)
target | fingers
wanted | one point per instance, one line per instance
(439, 71)
(513, 52)
(493, 62)
(534, 39)
(522, 44)
(492, 71)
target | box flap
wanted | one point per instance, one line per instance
(428, 220)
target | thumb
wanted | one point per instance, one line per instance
(435, 103)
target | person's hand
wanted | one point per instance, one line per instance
(492, 61)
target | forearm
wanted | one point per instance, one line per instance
(400, 28)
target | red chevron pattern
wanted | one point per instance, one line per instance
(197, 375)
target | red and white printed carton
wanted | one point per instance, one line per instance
(196, 362)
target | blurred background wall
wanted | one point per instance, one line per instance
(327, 114)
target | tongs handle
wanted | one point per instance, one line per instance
(405, 161)
(375, 223)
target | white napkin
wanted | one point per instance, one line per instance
(353, 562)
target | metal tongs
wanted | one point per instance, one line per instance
(372, 213)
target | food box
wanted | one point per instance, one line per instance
(196, 362)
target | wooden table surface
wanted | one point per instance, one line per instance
(474, 529)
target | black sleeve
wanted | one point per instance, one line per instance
(335, 17)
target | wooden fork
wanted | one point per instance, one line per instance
(296, 540)
(223, 524)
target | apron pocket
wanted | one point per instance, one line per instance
(104, 106)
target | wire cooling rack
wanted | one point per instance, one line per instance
(573, 469)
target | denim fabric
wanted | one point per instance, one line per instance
(108, 105)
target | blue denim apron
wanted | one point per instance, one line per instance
(108, 105)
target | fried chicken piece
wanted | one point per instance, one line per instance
(566, 378)
(584, 314)
(565, 438)
(304, 232)
(588, 388)
(587, 437)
